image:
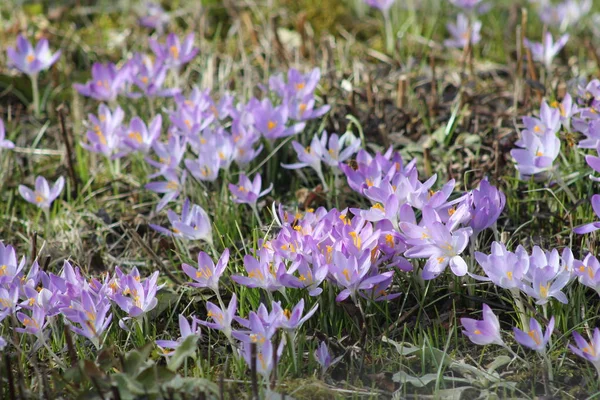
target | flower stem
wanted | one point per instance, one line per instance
(520, 308)
(389, 35)
(36, 95)
(548, 367)
(257, 215)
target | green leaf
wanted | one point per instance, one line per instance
(135, 360)
(186, 349)
(403, 377)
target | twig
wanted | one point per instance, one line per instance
(65, 136)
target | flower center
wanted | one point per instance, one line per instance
(271, 125)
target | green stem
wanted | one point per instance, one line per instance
(548, 367)
(36, 95)
(389, 35)
(520, 308)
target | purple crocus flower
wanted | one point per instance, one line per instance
(149, 77)
(271, 121)
(263, 273)
(483, 332)
(308, 278)
(264, 356)
(106, 133)
(323, 358)
(193, 224)
(440, 245)
(486, 205)
(535, 339)
(170, 188)
(504, 268)
(155, 17)
(43, 195)
(467, 5)
(547, 123)
(138, 298)
(537, 153)
(91, 315)
(292, 320)
(462, 31)
(142, 138)
(186, 329)
(9, 269)
(169, 154)
(594, 163)
(589, 351)
(34, 323)
(207, 275)
(592, 226)
(383, 5)
(205, 167)
(588, 272)
(31, 60)
(4, 143)
(174, 53)
(547, 277)
(247, 191)
(222, 318)
(546, 51)
(352, 273)
(107, 82)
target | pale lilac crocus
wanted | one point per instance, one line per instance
(141, 138)
(186, 329)
(462, 31)
(173, 52)
(207, 274)
(323, 358)
(108, 81)
(592, 226)
(105, 135)
(504, 268)
(589, 351)
(4, 143)
(30, 60)
(537, 154)
(138, 298)
(169, 154)
(248, 192)
(546, 51)
(263, 273)
(170, 188)
(535, 339)
(383, 5)
(34, 323)
(91, 315)
(222, 317)
(193, 224)
(546, 277)
(485, 331)
(9, 269)
(588, 272)
(594, 163)
(43, 195)
(264, 356)
(154, 17)
(293, 320)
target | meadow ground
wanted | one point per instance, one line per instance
(386, 253)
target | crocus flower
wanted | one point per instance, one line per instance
(462, 31)
(169, 154)
(168, 347)
(535, 339)
(106, 133)
(588, 272)
(193, 224)
(264, 273)
(34, 323)
(4, 143)
(90, 315)
(486, 204)
(170, 188)
(142, 138)
(107, 82)
(588, 350)
(308, 278)
(247, 191)
(483, 332)
(383, 5)
(546, 51)
(547, 277)
(271, 121)
(441, 246)
(467, 5)
(138, 298)
(222, 318)
(592, 226)
(149, 77)
(292, 320)
(323, 358)
(594, 163)
(504, 268)
(43, 195)
(31, 60)
(207, 275)
(154, 17)
(205, 167)
(264, 356)
(9, 269)
(537, 153)
(351, 273)
(174, 53)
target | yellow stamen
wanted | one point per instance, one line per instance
(271, 125)
(535, 336)
(136, 136)
(174, 52)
